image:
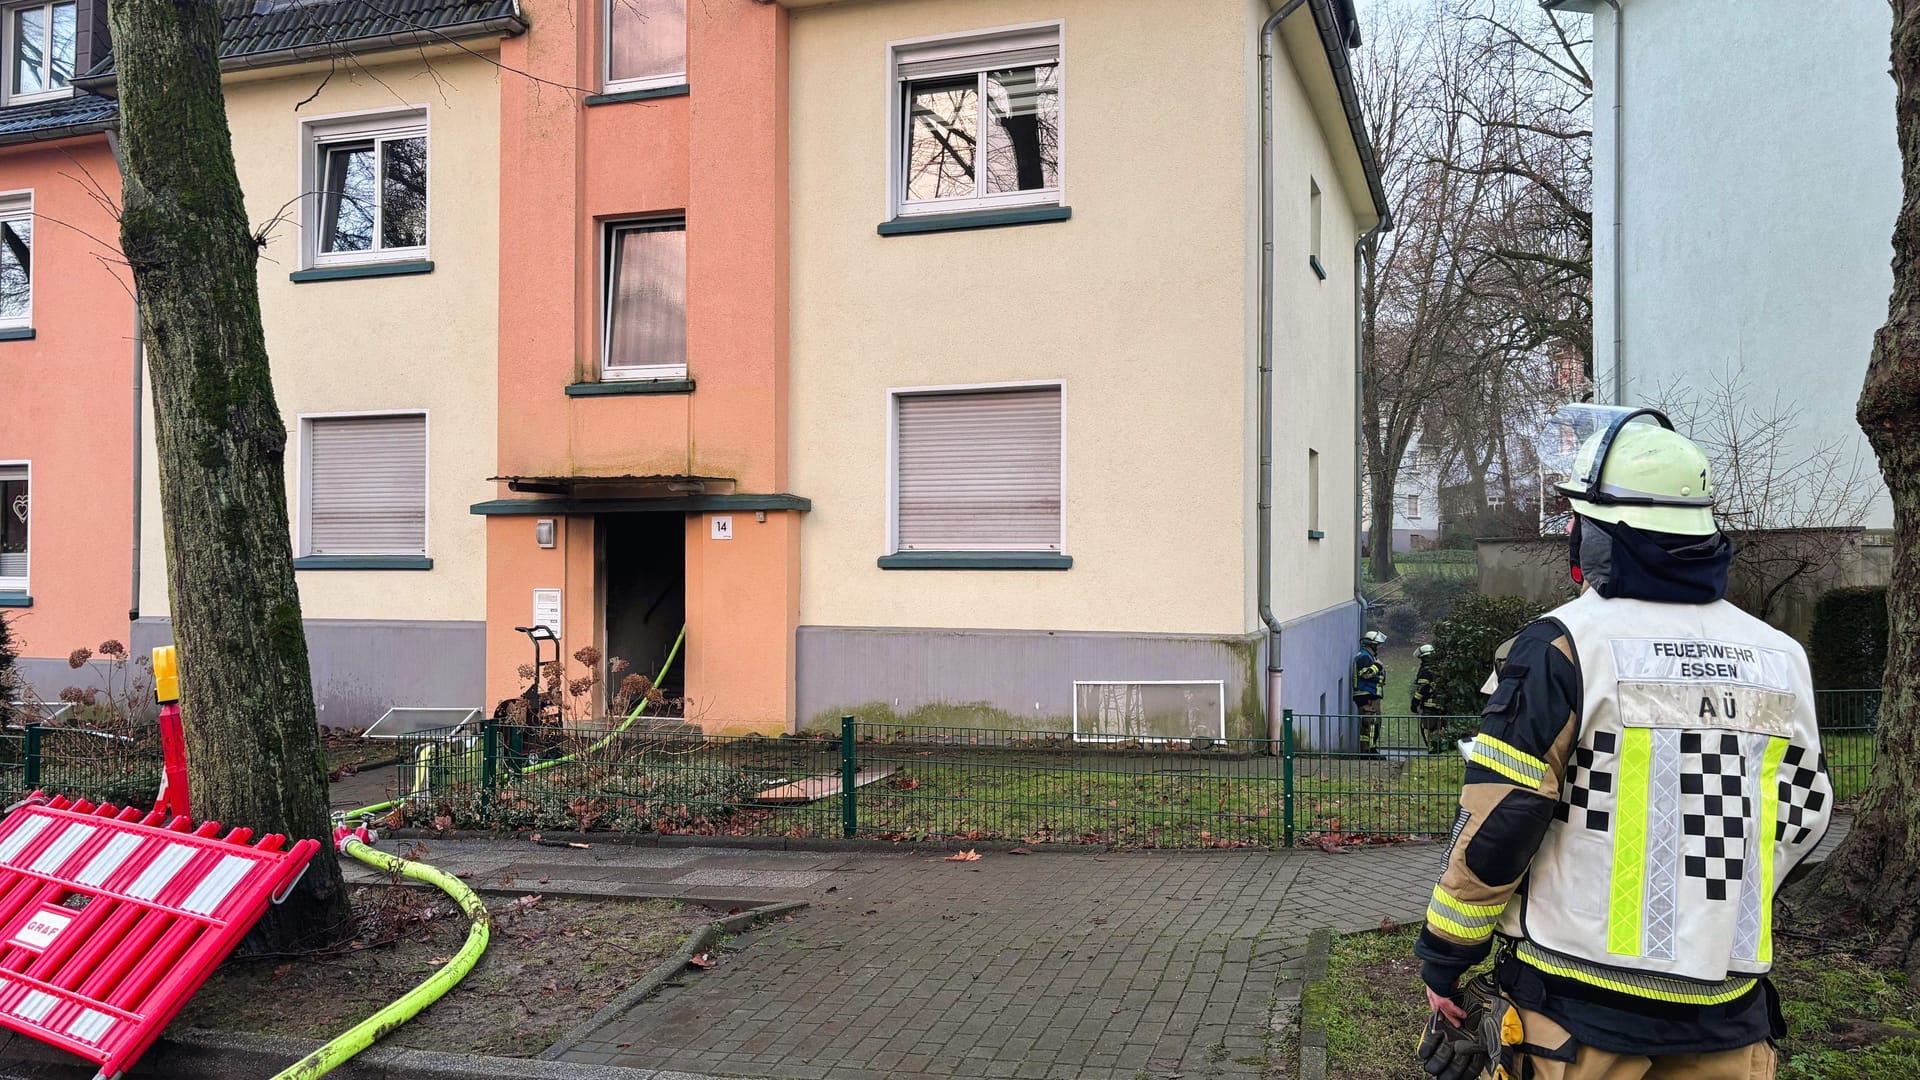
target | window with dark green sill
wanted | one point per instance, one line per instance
(976, 560)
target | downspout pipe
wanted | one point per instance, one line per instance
(1362, 248)
(1619, 191)
(139, 395)
(1264, 500)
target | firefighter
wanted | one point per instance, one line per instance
(1368, 676)
(1426, 703)
(1647, 772)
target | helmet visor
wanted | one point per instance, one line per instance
(1572, 447)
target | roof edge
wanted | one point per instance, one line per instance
(104, 80)
(1333, 40)
(70, 131)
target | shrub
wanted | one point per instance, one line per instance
(1849, 639)
(9, 652)
(1434, 597)
(1464, 644)
(1402, 622)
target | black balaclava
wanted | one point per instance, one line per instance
(1618, 560)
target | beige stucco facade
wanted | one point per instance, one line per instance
(418, 342)
(1143, 306)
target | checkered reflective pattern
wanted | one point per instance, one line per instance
(1801, 794)
(1712, 776)
(1586, 795)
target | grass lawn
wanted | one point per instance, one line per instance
(1847, 1020)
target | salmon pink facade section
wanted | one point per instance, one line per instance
(67, 370)
(642, 463)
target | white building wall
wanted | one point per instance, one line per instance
(1761, 182)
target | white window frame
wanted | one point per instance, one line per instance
(630, 372)
(982, 49)
(891, 544)
(611, 85)
(19, 204)
(7, 35)
(1413, 506)
(304, 488)
(11, 585)
(379, 125)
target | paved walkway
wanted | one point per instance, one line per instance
(1094, 966)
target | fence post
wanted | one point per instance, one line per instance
(849, 768)
(1286, 776)
(31, 753)
(489, 750)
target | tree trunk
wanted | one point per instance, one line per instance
(1380, 522)
(253, 746)
(1871, 885)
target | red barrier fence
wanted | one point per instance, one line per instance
(111, 919)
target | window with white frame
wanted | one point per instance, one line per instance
(15, 519)
(1413, 506)
(644, 299)
(39, 44)
(16, 260)
(978, 470)
(365, 490)
(646, 44)
(978, 121)
(369, 179)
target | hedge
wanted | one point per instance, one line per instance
(1848, 642)
(1464, 643)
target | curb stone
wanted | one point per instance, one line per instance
(211, 1055)
(667, 970)
(1313, 1030)
(831, 844)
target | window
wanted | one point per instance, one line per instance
(1313, 224)
(1413, 506)
(14, 514)
(39, 41)
(644, 306)
(1313, 494)
(366, 485)
(979, 122)
(1496, 502)
(16, 260)
(978, 470)
(646, 44)
(370, 179)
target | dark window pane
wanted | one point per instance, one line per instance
(943, 128)
(30, 50)
(646, 39)
(62, 47)
(403, 193)
(347, 198)
(647, 300)
(1023, 141)
(16, 267)
(15, 510)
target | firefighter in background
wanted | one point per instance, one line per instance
(1368, 676)
(1647, 773)
(1426, 704)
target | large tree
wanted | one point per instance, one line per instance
(1871, 885)
(252, 733)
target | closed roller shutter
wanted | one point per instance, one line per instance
(980, 471)
(367, 486)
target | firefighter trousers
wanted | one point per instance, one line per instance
(1756, 1062)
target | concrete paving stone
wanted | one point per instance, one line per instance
(765, 879)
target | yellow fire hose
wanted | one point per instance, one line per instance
(355, 843)
(355, 816)
(364, 1034)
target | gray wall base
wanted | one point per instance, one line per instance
(363, 667)
(1020, 680)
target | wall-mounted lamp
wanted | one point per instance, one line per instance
(543, 532)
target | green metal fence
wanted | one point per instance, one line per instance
(92, 765)
(888, 782)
